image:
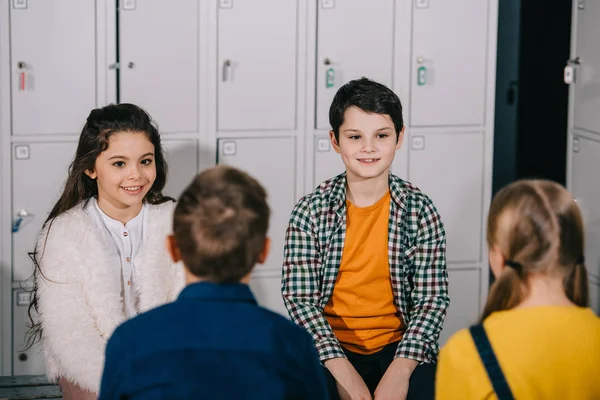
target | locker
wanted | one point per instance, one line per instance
(257, 61)
(53, 66)
(159, 53)
(586, 94)
(267, 290)
(38, 176)
(328, 163)
(25, 362)
(182, 159)
(354, 39)
(585, 187)
(271, 161)
(448, 167)
(449, 63)
(595, 295)
(464, 302)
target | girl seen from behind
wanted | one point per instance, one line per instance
(545, 339)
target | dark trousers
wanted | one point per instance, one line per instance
(371, 368)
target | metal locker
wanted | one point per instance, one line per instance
(585, 186)
(39, 171)
(53, 65)
(257, 46)
(182, 159)
(271, 161)
(30, 361)
(595, 295)
(267, 290)
(464, 305)
(159, 65)
(448, 167)
(354, 39)
(328, 163)
(449, 61)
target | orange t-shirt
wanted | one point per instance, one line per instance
(361, 310)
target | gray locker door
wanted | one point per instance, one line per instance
(257, 45)
(25, 362)
(267, 290)
(38, 176)
(271, 161)
(464, 302)
(328, 163)
(595, 295)
(182, 159)
(585, 187)
(53, 65)
(159, 61)
(587, 83)
(354, 38)
(448, 167)
(449, 63)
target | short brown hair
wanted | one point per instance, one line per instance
(220, 224)
(537, 226)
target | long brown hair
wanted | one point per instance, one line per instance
(538, 228)
(100, 125)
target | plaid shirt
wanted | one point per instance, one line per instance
(417, 260)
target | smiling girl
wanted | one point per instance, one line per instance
(101, 257)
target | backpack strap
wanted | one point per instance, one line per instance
(490, 363)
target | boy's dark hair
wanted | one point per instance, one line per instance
(369, 96)
(220, 224)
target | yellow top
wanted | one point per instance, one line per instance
(545, 352)
(361, 310)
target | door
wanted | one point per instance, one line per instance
(182, 159)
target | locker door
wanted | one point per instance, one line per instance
(448, 167)
(595, 295)
(159, 53)
(585, 187)
(182, 159)
(272, 162)
(328, 163)
(257, 65)
(38, 176)
(449, 63)
(354, 39)
(53, 65)
(25, 362)
(267, 290)
(463, 288)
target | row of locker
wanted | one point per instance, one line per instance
(88, 56)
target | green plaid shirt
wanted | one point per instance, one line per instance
(417, 259)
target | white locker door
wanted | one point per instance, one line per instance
(267, 290)
(585, 187)
(448, 167)
(463, 288)
(449, 63)
(182, 159)
(53, 65)
(271, 161)
(159, 53)
(328, 163)
(355, 38)
(30, 361)
(257, 46)
(39, 171)
(587, 81)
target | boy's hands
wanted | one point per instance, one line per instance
(394, 383)
(349, 383)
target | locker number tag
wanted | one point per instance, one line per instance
(422, 76)
(418, 142)
(225, 3)
(329, 78)
(19, 4)
(575, 145)
(23, 298)
(569, 74)
(327, 3)
(323, 145)
(128, 4)
(229, 148)
(22, 152)
(422, 3)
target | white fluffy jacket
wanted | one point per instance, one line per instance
(79, 289)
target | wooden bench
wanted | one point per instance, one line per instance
(28, 387)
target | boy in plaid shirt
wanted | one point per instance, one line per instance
(365, 259)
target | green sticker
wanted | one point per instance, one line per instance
(329, 78)
(422, 76)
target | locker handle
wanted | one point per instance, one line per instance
(226, 65)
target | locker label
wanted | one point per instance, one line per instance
(422, 76)
(23, 298)
(323, 145)
(418, 143)
(22, 152)
(327, 3)
(575, 145)
(19, 4)
(422, 3)
(569, 76)
(225, 3)
(229, 148)
(581, 4)
(329, 78)
(128, 4)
